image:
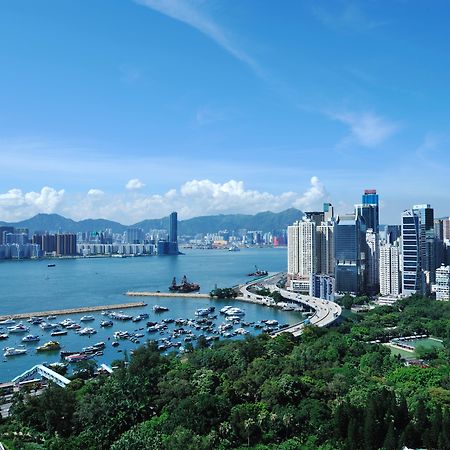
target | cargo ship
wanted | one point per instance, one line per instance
(185, 286)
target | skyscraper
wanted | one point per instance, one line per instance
(173, 234)
(411, 275)
(371, 215)
(390, 282)
(350, 254)
(427, 244)
(302, 260)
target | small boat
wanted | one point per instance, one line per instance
(19, 328)
(106, 323)
(225, 309)
(158, 309)
(115, 344)
(234, 312)
(51, 318)
(99, 345)
(66, 323)
(48, 325)
(31, 338)
(234, 248)
(10, 351)
(49, 346)
(74, 326)
(7, 322)
(87, 318)
(86, 331)
(35, 320)
(3, 336)
(58, 333)
(51, 265)
(78, 357)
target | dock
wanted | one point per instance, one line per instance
(167, 294)
(83, 309)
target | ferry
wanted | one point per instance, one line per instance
(10, 351)
(31, 338)
(49, 346)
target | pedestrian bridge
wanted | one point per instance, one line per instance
(43, 372)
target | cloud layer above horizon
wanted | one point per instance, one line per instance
(191, 199)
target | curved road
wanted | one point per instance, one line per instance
(325, 312)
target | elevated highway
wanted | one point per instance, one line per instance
(325, 312)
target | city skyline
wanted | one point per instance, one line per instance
(194, 107)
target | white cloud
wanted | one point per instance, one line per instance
(191, 199)
(188, 11)
(17, 205)
(95, 193)
(367, 128)
(134, 184)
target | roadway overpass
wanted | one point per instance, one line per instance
(325, 312)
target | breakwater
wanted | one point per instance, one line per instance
(83, 309)
(167, 294)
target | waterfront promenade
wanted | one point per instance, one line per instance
(83, 309)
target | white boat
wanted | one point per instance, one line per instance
(7, 322)
(86, 331)
(202, 312)
(51, 318)
(225, 309)
(158, 308)
(47, 325)
(233, 318)
(19, 328)
(234, 248)
(31, 338)
(10, 351)
(272, 323)
(66, 323)
(87, 318)
(234, 312)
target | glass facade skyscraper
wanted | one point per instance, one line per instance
(412, 274)
(350, 254)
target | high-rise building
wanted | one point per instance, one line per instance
(302, 259)
(371, 215)
(315, 216)
(427, 244)
(3, 231)
(445, 229)
(66, 244)
(373, 255)
(442, 285)
(173, 227)
(134, 236)
(350, 254)
(328, 211)
(325, 248)
(411, 267)
(390, 282)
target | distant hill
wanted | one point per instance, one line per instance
(265, 221)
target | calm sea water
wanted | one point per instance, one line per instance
(28, 286)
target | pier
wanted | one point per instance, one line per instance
(83, 309)
(167, 294)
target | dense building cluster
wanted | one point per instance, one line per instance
(330, 256)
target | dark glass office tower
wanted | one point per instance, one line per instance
(369, 209)
(350, 254)
(173, 234)
(412, 274)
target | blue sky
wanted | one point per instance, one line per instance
(128, 109)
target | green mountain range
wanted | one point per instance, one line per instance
(264, 221)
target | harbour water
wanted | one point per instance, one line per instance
(33, 286)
